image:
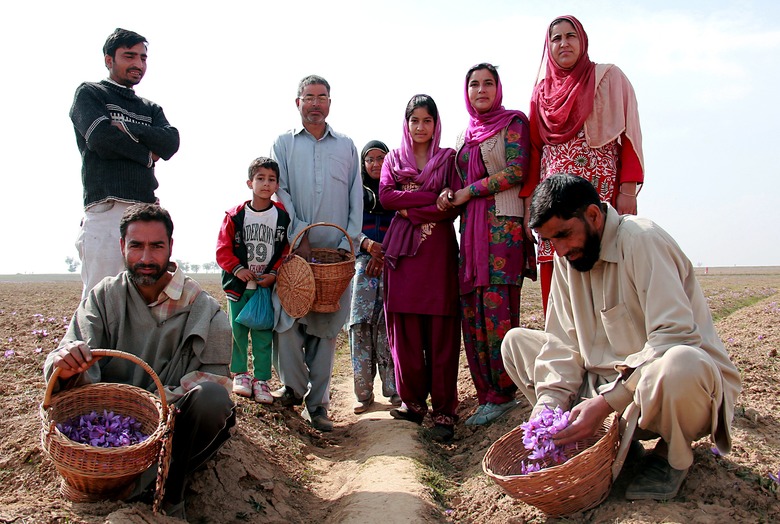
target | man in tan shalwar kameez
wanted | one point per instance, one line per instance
(628, 329)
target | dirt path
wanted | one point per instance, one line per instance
(367, 469)
(370, 471)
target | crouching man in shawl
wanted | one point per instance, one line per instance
(628, 329)
(155, 312)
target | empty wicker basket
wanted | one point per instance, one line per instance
(330, 270)
(580, 483)
(92, 473)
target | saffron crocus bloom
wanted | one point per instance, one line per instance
(538, 437)
(106, 430)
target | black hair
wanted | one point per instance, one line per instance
(561, 195)
(121, 38)
(263, 161)
(422, 101)
(145, 213)
(484, 65)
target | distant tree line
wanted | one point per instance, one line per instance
(73, 264)
(206, 267)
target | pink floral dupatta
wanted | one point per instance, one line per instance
(476, 233)
(403, 238)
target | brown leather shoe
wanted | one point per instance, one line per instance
(361, 406)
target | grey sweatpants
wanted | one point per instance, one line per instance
(305, 363)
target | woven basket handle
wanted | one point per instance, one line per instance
(302, 231)
(120, 354)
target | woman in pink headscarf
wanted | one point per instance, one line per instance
(420, 274)
(496, 252)
(584, 121)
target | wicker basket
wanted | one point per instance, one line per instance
(295, 286)
(92, 473)
(580, 483)
(332, 273)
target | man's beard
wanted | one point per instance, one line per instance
(590, 253)
(140, 279)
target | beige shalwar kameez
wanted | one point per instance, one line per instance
(636, 329)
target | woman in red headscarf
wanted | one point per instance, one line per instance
(584, 121)
(495, 251)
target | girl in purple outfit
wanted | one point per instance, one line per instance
(421, 271)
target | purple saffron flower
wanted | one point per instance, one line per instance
(9, 353)
(107, 430)
(538, 438)
(526, 468)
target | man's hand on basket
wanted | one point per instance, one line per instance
(266, 280)
(584, 420)
(304, 249)
(74, 358)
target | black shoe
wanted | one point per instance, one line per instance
(441, 433)
(318, 419)
(636, 452)
(403, 413)
(657, 480)
(175, 510)
(286, 397)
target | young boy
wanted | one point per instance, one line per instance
(251, 245)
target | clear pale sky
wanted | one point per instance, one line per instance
(226, 73)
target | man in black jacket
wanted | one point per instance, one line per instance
(120, 136)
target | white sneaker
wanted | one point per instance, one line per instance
(242, 384)
(262, 392)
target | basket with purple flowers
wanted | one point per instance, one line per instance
(560, 481)
(102, 436)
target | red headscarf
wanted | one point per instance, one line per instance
(563, 99)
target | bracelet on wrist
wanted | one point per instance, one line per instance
(627, 194)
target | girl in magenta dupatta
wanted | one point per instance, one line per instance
(420, 274)
(495, 251)
(584, 121)
(406, 237)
